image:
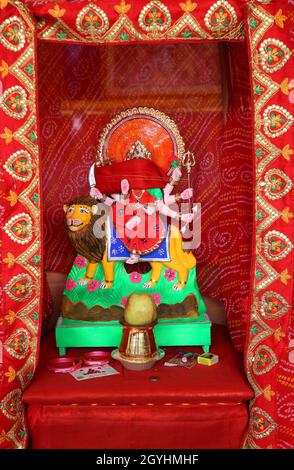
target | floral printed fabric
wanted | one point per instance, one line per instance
(268, 355)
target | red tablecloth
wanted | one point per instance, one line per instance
(201, 407)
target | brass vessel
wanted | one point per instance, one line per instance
(138, 349)
(138, 343)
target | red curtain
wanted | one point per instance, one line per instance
(236, 201)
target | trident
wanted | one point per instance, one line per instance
(188, 161)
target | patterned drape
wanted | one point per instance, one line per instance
(21, 220)
(268, 361)
(266, 310)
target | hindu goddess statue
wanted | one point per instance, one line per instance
(128, 231)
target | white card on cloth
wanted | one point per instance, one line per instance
(91, 372)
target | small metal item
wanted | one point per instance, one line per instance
(137, 350)
(189, 161)
(154, 378)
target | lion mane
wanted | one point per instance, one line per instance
(84, 240)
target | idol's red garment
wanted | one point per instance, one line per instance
(140, 173)
(149, 232)
(201, 407)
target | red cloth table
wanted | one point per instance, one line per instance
(201, 407)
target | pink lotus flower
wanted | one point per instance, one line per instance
(124, 301)
(80, 262)
(135, 277)
(170, 274)
(156, 298)
(70, 284)
(93, 285)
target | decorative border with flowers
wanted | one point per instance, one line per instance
(21, 267)
(272, 267)
(138, 21)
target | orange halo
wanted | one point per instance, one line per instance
(156, 131)
(155, 138)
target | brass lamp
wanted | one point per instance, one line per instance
(138, 349)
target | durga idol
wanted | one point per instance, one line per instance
(138, 192)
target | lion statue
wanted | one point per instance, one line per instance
(82, 214)
(80, 217)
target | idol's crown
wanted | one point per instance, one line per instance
(138, 150)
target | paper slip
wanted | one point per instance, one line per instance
(92, 372)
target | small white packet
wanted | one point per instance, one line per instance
(92, 372)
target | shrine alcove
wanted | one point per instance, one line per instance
(222, 71)
(205, 89)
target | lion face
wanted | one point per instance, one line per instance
(78, 216)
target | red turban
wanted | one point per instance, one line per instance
(140, 173)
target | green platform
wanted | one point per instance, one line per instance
(187, 332)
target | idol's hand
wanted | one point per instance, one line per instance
(169, 200)
(187, 193)
(149, 209)
(187, 218)
(124, 186)
(133, 222)
(95, 193)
